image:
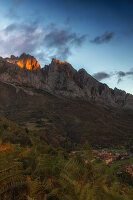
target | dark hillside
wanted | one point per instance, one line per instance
(55, 118)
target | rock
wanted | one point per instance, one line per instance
(24, 61)
(61, 79)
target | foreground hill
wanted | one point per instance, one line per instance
(11, 132)
(39, 171)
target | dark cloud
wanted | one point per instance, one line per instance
(44, 42)
(80, 40)
(63, 40)
(122, 74)
(106, 37)
(10, 28)
(101, 75)
(119, 75)
(58, 37)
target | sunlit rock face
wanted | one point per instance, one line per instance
(54, 60)
(24, 61)
(28, 62)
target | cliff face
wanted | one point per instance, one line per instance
(61, 79)
(24, 61)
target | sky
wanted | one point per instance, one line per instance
(96, 35)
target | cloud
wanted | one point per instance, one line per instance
(63, 40)
(101, 75)
(118, 74)
(80, 40)
(44, 42)
(106, 37)
(121, 75)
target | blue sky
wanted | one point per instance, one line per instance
(93, 34)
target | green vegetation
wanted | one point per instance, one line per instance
(31, 169)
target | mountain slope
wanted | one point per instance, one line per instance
(57, 118)
(11, 132)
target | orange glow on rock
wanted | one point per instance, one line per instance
(24, 61)
(29, 63)
(20, 63)
(59, 61)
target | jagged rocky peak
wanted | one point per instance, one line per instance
(55, 61)
(63, 66)
(24, 61)
(84, 75)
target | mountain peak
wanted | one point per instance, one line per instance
(24, 61)
(54, 60)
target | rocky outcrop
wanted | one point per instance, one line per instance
(24, 61)
(61, 79)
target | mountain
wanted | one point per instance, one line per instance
(59, 103)
(61, 79)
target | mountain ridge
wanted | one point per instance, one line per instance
(61, 79)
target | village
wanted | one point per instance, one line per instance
(122, 158)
